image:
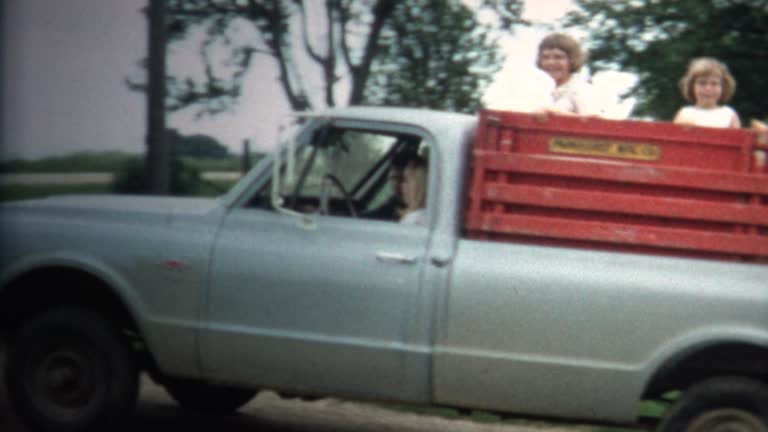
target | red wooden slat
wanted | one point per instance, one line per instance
(625, 172)
(660, 237)
(607, 202)
(659, 132)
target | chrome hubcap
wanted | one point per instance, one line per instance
(64, 381)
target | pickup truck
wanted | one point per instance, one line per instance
(569, 268)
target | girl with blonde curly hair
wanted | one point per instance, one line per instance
(561, 57)
(708, 84)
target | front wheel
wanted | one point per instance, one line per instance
(69, 369)
(725, 404)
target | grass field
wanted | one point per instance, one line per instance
(19, 191)
(14, 192)
(108, 161)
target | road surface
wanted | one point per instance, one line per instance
(268, 412)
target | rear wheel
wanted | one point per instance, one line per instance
(727, 404)
(200, 396)
(69, 369)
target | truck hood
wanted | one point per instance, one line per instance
(117, 206)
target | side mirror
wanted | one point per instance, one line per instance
(286, 145)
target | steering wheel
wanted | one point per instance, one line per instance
(325, 195)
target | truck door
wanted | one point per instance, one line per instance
(314, 296)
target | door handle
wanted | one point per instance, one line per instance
(396, 258)
(440, 261)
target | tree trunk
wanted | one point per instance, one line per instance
(158, 156)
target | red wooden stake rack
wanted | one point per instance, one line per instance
(648, 187)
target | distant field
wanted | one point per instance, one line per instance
(76, 162)
(95, 162)
(31, 186)
(93, 172)
(60, 179)
(92, 178)
(16, 192)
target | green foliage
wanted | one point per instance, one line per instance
(133, 178)
(88, 161)
(657, 38)
(230, 163)
(434, 54)
(200, 146)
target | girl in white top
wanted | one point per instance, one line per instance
(708, 84)
(561, 57)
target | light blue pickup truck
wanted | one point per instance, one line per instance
(288, 283)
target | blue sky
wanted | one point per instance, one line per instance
(65, 63)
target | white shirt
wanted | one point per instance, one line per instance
(416, 217)
(576, 96)
(720, 117)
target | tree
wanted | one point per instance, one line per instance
(198, 145)
(433, 54)
(657, 38)
(133, 178)
(367, 50)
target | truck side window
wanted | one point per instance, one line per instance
(344, 172)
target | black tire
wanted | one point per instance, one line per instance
(720, 404)
(200, 396)
(69, 369)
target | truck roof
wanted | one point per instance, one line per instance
(441, 124)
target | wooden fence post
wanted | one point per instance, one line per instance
(246, 159)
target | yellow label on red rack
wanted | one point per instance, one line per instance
(604, 148)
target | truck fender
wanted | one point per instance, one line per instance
(667, 357)
(89, 265)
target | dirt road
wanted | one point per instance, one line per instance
(268, 412)
(156, 412)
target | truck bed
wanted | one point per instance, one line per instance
(632, 186)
